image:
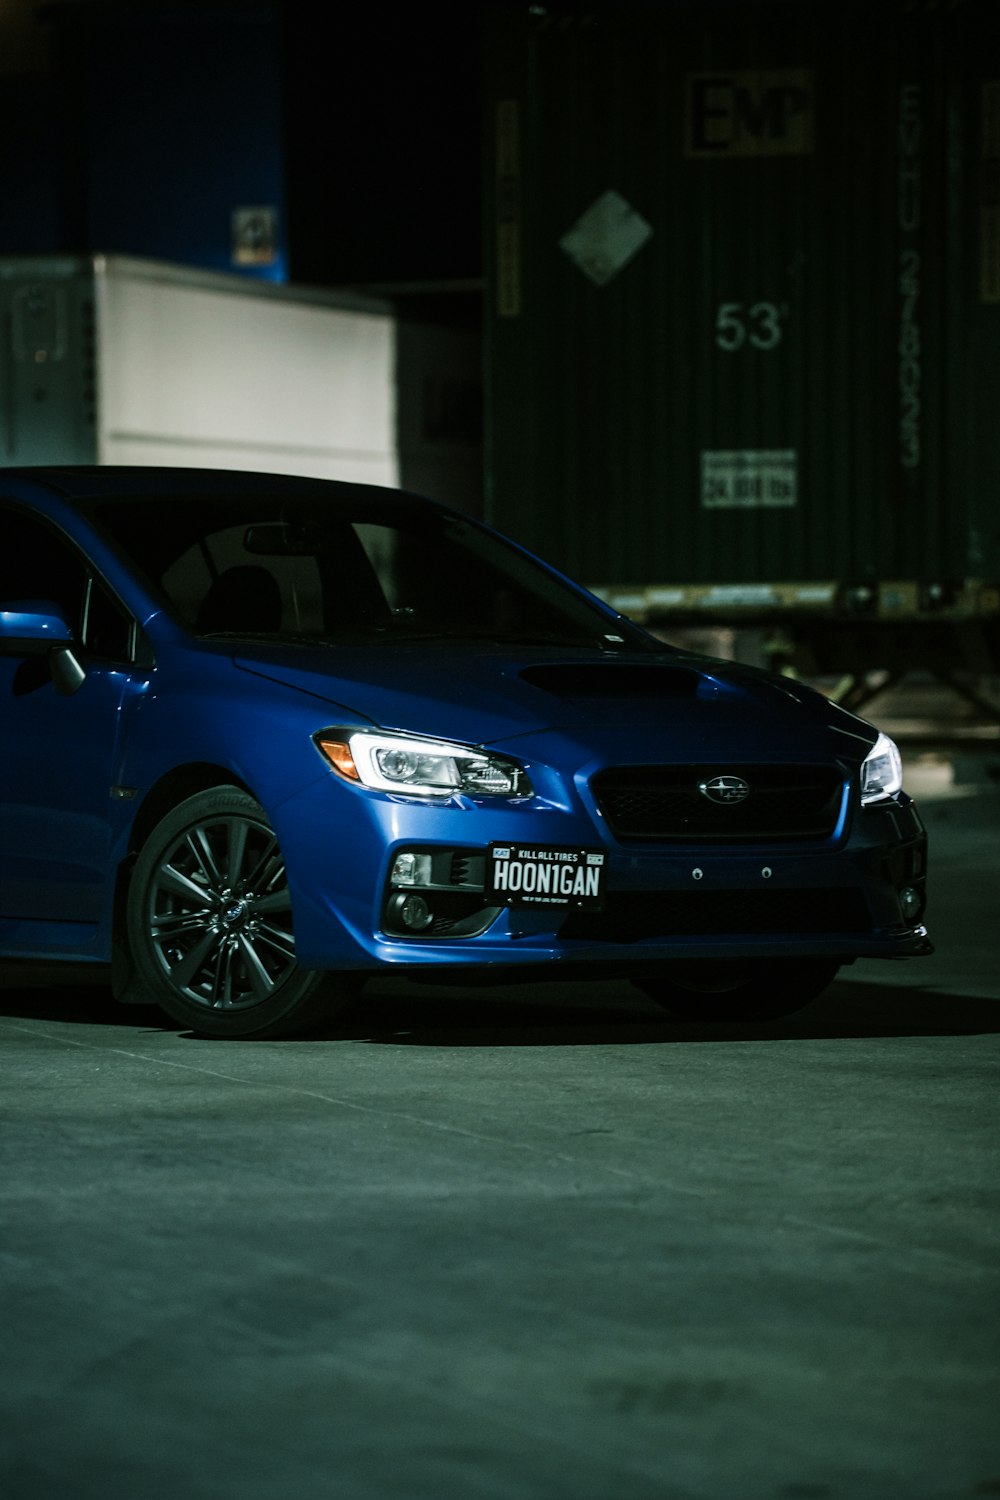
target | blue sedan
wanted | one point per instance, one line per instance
(265, 737)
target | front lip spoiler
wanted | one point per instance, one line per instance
(917, 944)
(527, 949)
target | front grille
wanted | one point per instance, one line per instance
(663, 803)
(646, 915)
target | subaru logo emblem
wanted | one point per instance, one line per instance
(725, 789)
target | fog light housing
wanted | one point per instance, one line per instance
(911, 902)
(407, 909)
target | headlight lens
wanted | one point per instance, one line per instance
(882, 772)
(422, 768)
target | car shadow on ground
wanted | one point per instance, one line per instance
(620, 1015)
(398, 1013)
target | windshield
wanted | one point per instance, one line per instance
(335, 572)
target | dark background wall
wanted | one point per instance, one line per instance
(156, 127)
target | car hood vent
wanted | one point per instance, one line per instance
(610, 680)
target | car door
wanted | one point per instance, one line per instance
(58, 748)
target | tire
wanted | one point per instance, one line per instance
(210, 924)
(759, 991)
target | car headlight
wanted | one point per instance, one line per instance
(421, 768)
(882, 772)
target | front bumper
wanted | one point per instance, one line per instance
(860, 894)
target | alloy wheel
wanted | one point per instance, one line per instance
(219, 913)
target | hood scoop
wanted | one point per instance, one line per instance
(607, 681)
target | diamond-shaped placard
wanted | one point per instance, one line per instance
(605, 237)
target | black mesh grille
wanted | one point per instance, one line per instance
(663, 803)
(630, 918)
(451, 912)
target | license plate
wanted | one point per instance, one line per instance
(540, 875)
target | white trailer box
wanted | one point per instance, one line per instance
(114, 360)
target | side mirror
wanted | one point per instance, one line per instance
(37, 627)
(31, 626)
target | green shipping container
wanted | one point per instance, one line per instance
(743, 321)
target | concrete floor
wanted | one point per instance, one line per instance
(538, 1245)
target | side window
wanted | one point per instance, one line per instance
(108, 631)
(36, 564)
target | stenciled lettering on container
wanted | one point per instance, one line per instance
(749, 479)
(759, 326)
(749, 112)
(910, 210)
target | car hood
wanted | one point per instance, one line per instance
(668, 706)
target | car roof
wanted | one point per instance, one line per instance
(83, 483)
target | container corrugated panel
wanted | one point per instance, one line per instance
(744, 291)
(48, 380)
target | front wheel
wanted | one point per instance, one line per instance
(764, 990)
(210, 923)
